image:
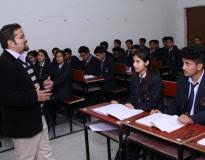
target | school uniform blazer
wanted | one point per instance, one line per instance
(173, 59)
(62, 82)
(21, 113)
(74, 62)
(92, 67)
(179, 106)
(154, 99)
(108, 73)
(45, 71)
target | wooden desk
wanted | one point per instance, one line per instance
(89, 112)
(194, 147)
(177, 138)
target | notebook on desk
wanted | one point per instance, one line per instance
(118, 111)
(88, 76)
(163, 122)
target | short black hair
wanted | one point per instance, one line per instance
(54, 50)
(156, 41)
(152, 41)
(143, 40)
(99, 49)
(117, 41)
(164, 39)
(67, 50)
(194, 53)
(105, 44)
(32, 53)
(170, 38)
(7, 33)
(61, 52)
(129, 41)
(83, 49)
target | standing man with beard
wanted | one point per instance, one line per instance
(22, 98)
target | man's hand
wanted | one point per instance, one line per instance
(185, 119)
(43, 95)
(48, 84)
(129, 105)
(114, 102)
(155, 111)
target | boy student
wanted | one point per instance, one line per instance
(105, 44)
(190, 98)
(172, 59)
(142, 42)
(71, 59)
(106, 68)
(90, 64)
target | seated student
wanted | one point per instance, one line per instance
(129, 44)
(90, 64)
(106, 68)
(146, 92)
(71, 59)
(172, 59)
(117, 44)
(153, 50)
(32, 57)
(142, 42)
(43, 67)
(119, 55)
(54, 50)
(189, 103)
(104, 44)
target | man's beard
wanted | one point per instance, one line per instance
(26, 48)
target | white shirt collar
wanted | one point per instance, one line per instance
(42, 64)
(17, 55)
(143, 76)
(89, 59)
(199, 80)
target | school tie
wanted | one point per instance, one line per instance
(191, 97)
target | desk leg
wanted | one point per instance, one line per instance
(108, 148)
(180, 153)
(121, 145)
(86, 142)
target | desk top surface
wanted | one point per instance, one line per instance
(95, 79)
(179, 136)
(193, 143)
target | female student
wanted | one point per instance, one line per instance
(43, 66)
(146, 91)
(32, 57)
(61, 77)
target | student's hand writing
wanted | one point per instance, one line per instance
(155, 111)
(129, 105)
(43, 95)
(114, 102)
(185, 119)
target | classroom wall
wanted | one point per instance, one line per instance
(181, 30)
(63, 23)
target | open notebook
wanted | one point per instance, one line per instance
(163, 122)
(118, 111)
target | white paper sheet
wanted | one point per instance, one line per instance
(88, 76)
(164, 122)
(117, 110)
(201, 142)
(102, 127)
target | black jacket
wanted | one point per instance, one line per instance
(179, 106)
(21, 113)
(154, 98)
(92, 67)
(62, 81)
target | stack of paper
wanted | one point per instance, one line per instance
(117, 110)
(102, 127)
(88, 76)
(201, 142)
(164, 122)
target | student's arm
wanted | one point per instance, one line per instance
(199, 118)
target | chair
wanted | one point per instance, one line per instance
(169, 88)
